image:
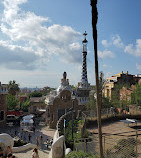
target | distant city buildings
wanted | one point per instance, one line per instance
(3, 105)
(121, 78)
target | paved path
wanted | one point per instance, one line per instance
(27, 154)
(40, 130)
(117, 127)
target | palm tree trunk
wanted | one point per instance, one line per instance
(94, 26)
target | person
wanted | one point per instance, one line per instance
(8, 151)
(41, 140)
(1, 153)
(47, 143)
(24, 138)
(29, 137)
(35, 153)
(9, 155)
(19, 135)
(34, 129)
(51, 141)
(37, 141)
(15, 132)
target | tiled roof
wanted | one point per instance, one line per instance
(36, 99)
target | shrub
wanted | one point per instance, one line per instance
(80, 154)
(19, 143)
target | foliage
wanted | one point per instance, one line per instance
(68, 133)
(46, 90)
(12, 102)
(19, 143)
(21, 93)
(13, 87)
(106, 103)
(73, 87)
(80, 154)
(136, 95)
(25, 105)
(91, 105)
(76, 132)
(35, 94)
(115, 98)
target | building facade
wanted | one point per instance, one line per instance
(59, 102)
(125, 93)
(36, 105)
(3, 105)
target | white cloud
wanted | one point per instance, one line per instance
(130, 48)
(105, 43)
(117, 41)
(134, 50)
(106, 66)
(28, 34)
(138, 66)
(108, 74)
(106, 54)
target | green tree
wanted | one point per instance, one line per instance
(106, 103)
(12, 102)
(25, 105)
(136, 95)
(35, 94)
(13, 87)
(91, 105)
(115, 97)
(73, 87)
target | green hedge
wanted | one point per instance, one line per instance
(80, 154)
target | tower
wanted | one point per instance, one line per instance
(83, 89)
(84, 79)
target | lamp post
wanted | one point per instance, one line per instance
(73, 98)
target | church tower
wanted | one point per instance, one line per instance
(83, 89)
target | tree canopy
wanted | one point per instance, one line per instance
(13, 87)
(25, 105)
(35, 94)
(12, 102)
(136, 96)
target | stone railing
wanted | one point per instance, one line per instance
(60, 124)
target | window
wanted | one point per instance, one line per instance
(1, 115)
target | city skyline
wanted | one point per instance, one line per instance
(39, 41)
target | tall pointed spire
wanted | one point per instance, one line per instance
(84, 65)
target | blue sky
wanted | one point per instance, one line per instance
(39, 40)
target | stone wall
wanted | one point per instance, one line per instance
(134, 110)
